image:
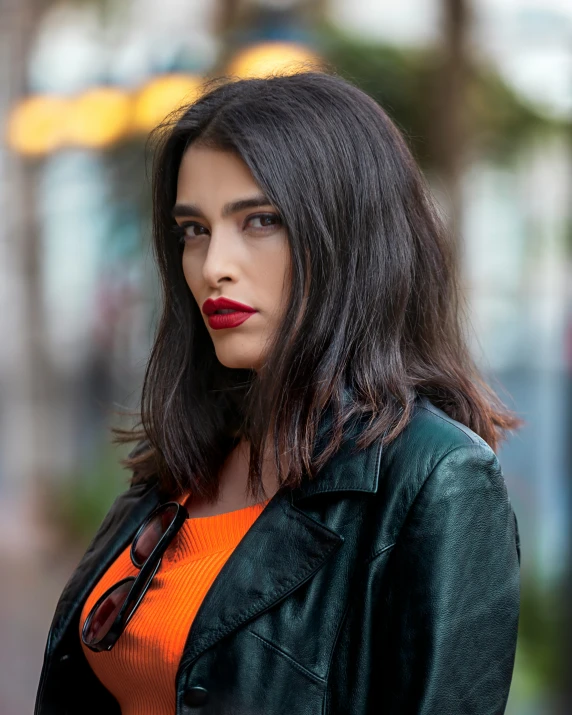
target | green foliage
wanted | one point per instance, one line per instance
(79, 504)
(502, 120)
(541, 662)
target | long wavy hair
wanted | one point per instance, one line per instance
(374, 311)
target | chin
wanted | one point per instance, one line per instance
(237, 361)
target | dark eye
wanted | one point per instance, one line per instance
(266, 221)
(188, 230)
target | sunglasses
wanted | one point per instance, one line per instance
(115, 608)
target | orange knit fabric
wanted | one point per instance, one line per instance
(141, 667)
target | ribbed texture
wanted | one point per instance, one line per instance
(141, 667)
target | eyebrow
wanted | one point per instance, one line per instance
(232, 207)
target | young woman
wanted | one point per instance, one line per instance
(317, 522)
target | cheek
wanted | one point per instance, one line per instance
(192, 274)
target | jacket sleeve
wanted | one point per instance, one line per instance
(450, 609)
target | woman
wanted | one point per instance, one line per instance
(310, 405)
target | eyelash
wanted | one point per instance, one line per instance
(179, 230)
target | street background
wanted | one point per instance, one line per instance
(482, 90)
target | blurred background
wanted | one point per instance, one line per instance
(483, 91)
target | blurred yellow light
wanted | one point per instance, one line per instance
(273, 58)
(161, 96)
(99, 117)
(37, 125)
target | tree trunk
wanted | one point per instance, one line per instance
(449, 121)
(23, 369)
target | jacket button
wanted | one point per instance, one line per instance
(196, 696)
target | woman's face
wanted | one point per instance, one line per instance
(235, 247)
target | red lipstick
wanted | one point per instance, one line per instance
(234, 314)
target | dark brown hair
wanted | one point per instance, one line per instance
(374, 308)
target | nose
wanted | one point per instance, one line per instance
(221, 262)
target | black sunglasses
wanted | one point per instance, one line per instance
(115, 608)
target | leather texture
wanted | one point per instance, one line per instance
(387, 585)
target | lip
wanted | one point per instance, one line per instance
(227, 320)
(210, 306)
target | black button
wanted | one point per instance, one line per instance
(196, 696)
(64, 658)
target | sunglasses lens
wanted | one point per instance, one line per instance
(152, 533)
(106, 613)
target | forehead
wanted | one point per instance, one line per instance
(205, 172)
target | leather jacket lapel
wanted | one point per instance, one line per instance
(282, 549)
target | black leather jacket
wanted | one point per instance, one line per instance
(389, 585)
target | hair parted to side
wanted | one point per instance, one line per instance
(374, 305)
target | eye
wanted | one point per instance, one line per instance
(187, 230)
(267, 221)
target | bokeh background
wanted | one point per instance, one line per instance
(483, 91)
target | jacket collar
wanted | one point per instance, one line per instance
(348, 469)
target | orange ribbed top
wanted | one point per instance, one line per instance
(140, 669)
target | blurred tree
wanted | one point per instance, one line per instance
(449, 108)
(403, 82)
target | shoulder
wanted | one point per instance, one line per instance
(429, 437)
(436, 458)
(430, 427)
